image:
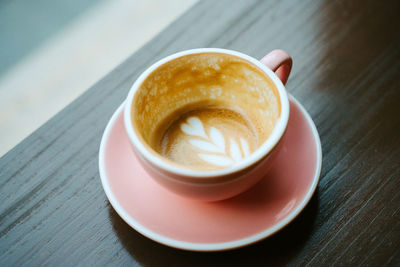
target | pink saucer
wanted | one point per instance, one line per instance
(187, 224)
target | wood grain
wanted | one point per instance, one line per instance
(346, 54)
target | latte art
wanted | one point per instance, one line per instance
(208, 139)
(213, 146)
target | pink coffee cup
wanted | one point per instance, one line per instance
(208, 185)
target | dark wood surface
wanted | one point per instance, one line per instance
(53, 210)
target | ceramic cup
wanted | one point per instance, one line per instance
(148, 103)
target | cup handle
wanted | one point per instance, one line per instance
(279, 62)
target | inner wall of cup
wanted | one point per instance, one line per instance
(204, 80)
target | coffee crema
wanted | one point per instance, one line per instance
(205, 111)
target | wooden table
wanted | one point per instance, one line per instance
(346, 73)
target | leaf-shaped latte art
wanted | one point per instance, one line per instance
(194, 126)
(205, 145)
(217, 138)
(213, 146)
(236, 154)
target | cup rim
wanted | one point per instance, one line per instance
(255, 157)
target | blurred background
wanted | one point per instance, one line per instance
(51, 51)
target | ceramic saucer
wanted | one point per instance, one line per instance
(191, 225)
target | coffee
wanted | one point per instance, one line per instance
(205, 111)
